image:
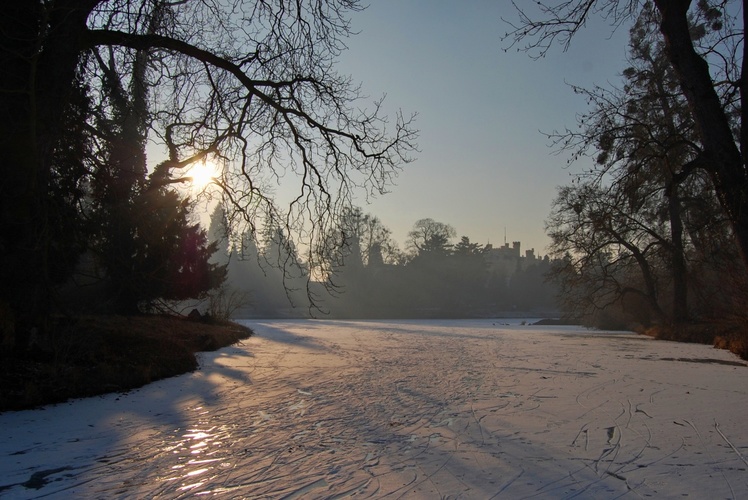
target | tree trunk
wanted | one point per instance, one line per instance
(39, 51)
(721, 154)
(650, 292)
(21, 214)
(678, 261)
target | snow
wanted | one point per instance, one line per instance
(403, 409)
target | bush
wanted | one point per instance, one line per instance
(225, 301)
(721, 334)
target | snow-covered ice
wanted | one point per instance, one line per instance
(403, 409)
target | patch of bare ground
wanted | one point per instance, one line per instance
(732, 336)
(94, 355)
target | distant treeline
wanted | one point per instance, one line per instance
(366, 275)
(442, 280)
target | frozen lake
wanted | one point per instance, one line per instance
(403, 409)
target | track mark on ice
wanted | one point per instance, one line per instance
(737, 452)
(320, 483)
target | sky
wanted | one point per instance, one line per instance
(484, 165)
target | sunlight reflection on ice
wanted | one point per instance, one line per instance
(206, 461)
(191, 486)
(199, 449)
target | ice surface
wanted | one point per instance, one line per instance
(403, 409)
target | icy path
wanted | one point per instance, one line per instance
(462, 409)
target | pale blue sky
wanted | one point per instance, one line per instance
(484, 164)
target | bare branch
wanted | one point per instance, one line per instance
(549, 23)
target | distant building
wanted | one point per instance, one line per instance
(506, 260)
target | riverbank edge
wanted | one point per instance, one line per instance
(93, 355)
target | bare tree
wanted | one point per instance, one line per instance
(710, 75)
(367, 232)
(430, 235)
(646, 146)
(605, 252)
(359, 242)
(250, 83)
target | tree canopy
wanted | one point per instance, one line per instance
(251, 85)
(709, 73)
(631, 231)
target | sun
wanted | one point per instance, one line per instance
(203, 173)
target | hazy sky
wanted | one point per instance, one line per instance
(484, 164)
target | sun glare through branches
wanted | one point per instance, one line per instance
(203, 173)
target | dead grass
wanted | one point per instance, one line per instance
(99, 354)
(732, 336)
